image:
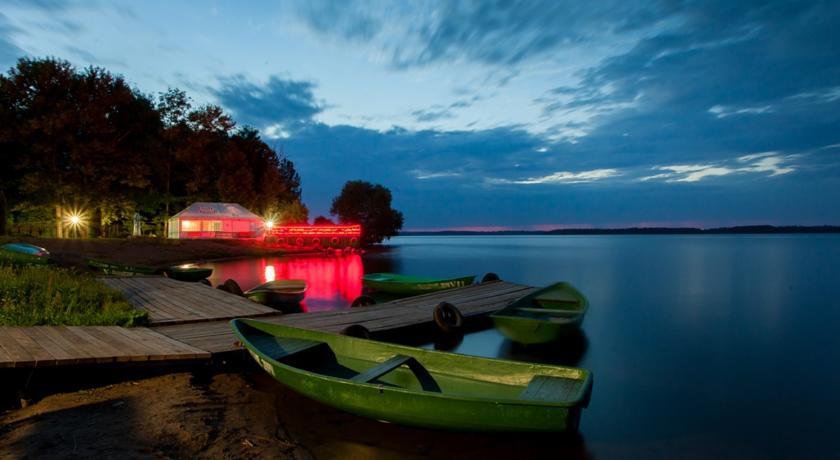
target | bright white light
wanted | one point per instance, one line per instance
(269, 224)
(75, 220)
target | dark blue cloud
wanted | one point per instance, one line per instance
(720, 113)
(278, 101)
(489, 31)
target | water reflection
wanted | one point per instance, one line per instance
(333, 281)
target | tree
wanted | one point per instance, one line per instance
(368, 204)
(321, 220)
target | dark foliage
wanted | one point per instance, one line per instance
(85, 140)
(368, 204)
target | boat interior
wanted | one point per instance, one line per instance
(407, 372)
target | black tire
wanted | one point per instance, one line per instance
(448, 318)
(363, 301)
(207, 282)
(490, 276)
(356, 330)
(231, 286)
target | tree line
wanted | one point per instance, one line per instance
(85, 141)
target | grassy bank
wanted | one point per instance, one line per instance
(45, 295)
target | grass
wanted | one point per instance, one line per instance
(32, 295)
(18, 259)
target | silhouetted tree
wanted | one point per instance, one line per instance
(368, 204)
(322, 220)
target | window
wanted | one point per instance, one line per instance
(189, 226)
(211, 226)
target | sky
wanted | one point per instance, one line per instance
(500, 114)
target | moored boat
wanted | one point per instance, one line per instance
(25, 248)
(543, 316)
(278, 292)
(113, 268)
(420, 387)
(188, 272)
(393, 283)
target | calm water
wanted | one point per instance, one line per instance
(701, 346)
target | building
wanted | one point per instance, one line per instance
(215, 220)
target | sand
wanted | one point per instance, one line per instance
(170, 416)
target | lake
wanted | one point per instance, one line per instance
(723, 346)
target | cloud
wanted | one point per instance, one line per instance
(764, 162)
(9, 51)
(492, 32)
(441, 112)
(721, 111)
(277, 102)
(562, 177)
(424, 175)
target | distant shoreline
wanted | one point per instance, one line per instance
(739, 230)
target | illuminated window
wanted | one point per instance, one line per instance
(189, 226)
(211, 226)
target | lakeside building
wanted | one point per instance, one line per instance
(233, 221)
(215, 220)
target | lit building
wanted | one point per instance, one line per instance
(232, 221)
(215, 220)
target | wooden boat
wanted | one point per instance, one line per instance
(188, 272)
(25, 248)
(542, 316)
(411, 285)
(278, 292)
(112, 268)
(415, 386)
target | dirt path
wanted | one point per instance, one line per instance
(171, 416)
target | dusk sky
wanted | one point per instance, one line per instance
(501, 114)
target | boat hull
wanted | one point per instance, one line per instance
(28, 249)
(470, 408)
(404, 285)
(275, 298)
(189, 274)
(531, 332)
(544, 316)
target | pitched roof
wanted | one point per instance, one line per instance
(217, 210)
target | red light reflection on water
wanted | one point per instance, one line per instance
(333, 281)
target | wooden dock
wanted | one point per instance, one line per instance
(190, 321)
(217, 337)
(40, 346)
(175, 302)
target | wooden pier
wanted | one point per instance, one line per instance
(189, 321)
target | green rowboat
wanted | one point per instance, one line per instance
(412, 285)
(543, 316)
(414, 386)
(188, 272)
(278, 292)
(112, 268)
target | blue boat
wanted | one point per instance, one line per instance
(28, 249)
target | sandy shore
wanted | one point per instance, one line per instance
(170, 416)
(237, 413)
(154, 252)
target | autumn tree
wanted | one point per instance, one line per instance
(368, 204)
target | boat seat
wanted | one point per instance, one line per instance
(427, 382)
(551, 389)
